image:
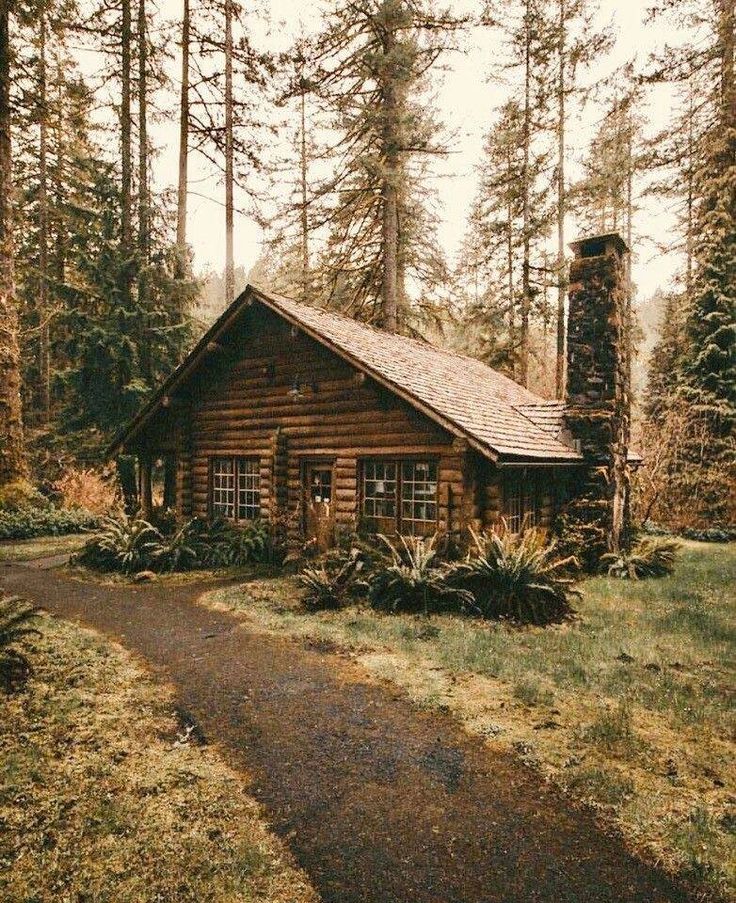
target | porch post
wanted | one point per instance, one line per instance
(145, 466)
(170, 481)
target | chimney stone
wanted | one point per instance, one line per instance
(598, 394)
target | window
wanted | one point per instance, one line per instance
(400, 496)
(236, 488)
(521, 500)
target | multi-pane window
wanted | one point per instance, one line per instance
(400, 496)
(521, 501)
(249, 488)
(418, 495)
(236, 488)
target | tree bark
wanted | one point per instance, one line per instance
(12, 463)
(43, 231)
(510, 257)
(727, 42)
(181, 201)
(126, 234)
(561, 205)
(229, 256)
(143, 199)
(389, 190)
(526, 265)
(304, 216)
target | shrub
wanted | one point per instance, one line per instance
(648, 558)
(16, 616)
(334, 581)
(177, 551)
(521, 577)
(415, 580)
(20, 495)
(126, 544)
(86, 489)
(710, 534)
(131, 544)
(27, 522)
(219, 544)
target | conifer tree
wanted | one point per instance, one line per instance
(12, 464)
(373, 60)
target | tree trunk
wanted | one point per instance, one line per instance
(389, 191)
(629, 324)
(510, 259)
(143, 199)
(181, 201)
(526, 266)
(304, 217)
(561, 207)
(727, 42)
(43, 232)
(229, 256)
(12, 463)
(58, 179)
(126, 233)
(690, 199)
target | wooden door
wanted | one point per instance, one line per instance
(319, 505)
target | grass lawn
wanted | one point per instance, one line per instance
(630, 708)
(41, 547)
(105, 794)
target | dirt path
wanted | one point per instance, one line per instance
(380, 802)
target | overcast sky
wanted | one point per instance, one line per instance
(466, 101)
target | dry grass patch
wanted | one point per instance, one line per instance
(41, 547)
(107, 795)
(629, 708)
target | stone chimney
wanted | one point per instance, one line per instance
(598, 404)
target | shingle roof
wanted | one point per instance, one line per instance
(501, 416)
(498, 416)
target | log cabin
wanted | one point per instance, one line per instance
(311, 420)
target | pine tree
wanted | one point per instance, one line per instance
(702, 465)
(373, 60)
(12, 464)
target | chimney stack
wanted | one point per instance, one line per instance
(598, 394)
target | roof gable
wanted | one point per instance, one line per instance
(500, 418)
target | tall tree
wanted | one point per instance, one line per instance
(578, 43)
(229, 179)
(182, 189)
(43, 248)
(144, 225)
(373, 60)
(12, 464)
(702, 467)
(126, 156)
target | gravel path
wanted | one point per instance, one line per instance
(380, 802)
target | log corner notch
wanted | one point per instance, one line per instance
(597, 379)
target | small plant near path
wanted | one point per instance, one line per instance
(647, 558)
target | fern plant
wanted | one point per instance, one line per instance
(415, 580)
(177, 551)
(16, 618)
(648, 558)
(125, 545)
(517, 576)
(333, 582)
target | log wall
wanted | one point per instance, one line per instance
(278, 395)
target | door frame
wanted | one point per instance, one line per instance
(305, 466)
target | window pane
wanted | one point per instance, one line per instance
(418, 496)
(223, 487)
(249, 488)
(379, 492)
